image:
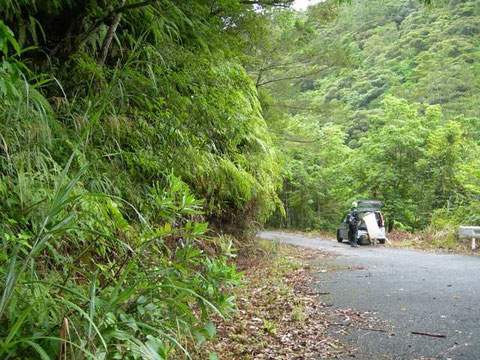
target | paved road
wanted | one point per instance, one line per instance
(413, 290)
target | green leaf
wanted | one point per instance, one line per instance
(87, 317)
(211, 329)
(156, 348)
(213, 356)
(43, 354)
(14, 329)
(91, 314)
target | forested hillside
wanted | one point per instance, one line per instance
(398, 121)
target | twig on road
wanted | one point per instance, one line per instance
(372, 329)
(428, 334)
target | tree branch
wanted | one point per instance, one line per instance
(298, 76)
(111, 14)
(300, 141)
(109, 37)
(279, 3)
(294, 107)
(292, 64)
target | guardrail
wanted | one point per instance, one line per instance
(470, 232)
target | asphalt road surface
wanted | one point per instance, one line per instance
(412, 290)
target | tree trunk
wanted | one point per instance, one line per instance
(110, 34)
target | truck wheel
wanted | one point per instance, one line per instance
(364, 240)
(381, 241)
(339, 238)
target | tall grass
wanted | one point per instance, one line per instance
(104, 252)
(87, 272)
(90, 284)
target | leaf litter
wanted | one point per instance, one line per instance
(282, 313)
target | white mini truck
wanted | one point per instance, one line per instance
(363, 238)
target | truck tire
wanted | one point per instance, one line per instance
(381, 241)
(364, 240)
(339, 238)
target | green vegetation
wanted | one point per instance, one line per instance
(395, 118)
(135, 135)
(116, 116)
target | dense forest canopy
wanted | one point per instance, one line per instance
(132, 131)
(402, 107)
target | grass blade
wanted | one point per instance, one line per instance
(15, 328)
(43, 354)
(87, 317)
(86, 352)
(10, 281)
(91, 313)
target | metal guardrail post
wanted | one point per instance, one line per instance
(470, 232)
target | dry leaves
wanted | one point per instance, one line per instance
(281, 316)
